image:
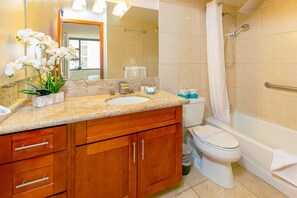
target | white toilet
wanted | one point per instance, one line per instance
(213, 149)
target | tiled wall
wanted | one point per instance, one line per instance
(183, 54)
(268, 52)
(182, 47)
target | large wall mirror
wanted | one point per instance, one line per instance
(109, 46)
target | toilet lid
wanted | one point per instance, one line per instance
(214, 137)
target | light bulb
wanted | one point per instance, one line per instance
(122, 5)
(120, 8)
(79, 5)
(99, 7)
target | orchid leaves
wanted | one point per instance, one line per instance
(52, 85)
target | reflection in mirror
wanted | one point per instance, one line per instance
(86, 37)
(130, 41)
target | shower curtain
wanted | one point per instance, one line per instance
(216, 62)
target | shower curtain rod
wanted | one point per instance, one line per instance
(135, 30)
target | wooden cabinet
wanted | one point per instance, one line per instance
(146, 160)
(125, 156)
(106, 169)
(159, 159)
(34, 164)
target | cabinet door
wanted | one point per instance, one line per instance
(159, 159)
(106, 169)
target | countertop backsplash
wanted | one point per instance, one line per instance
(95, 87)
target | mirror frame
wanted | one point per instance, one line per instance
(60, 31)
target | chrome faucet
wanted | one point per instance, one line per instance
(124, 88)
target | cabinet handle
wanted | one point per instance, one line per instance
(134, 152)
(142, 149)
(31, 146)
(32, 182)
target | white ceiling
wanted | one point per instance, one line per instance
(234, 2)
(142, 14)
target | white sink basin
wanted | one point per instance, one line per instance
(127, 100)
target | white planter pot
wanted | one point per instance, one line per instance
(41, 101)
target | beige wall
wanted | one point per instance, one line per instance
(43, 16)
(268, 52)
(12, 19)
(131, 48)
(182, 47)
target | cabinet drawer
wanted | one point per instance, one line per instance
(105, 128)
(26, 177)
(36, 177)
(33, 143)
(31, 147)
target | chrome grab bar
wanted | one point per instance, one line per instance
(32, 182)
(284, 87)
(31, 146)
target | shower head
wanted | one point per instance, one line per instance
(243, 27)
(225, 13)
(229, 14)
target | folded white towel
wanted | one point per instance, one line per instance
(135, 72)
(142, 72)
(284, 165)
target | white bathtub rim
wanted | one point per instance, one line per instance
(226, 127)
(271, 123)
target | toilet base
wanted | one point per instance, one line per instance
(217, 171)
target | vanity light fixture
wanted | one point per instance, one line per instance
(79, 5)
(99, 7)
(120, 8)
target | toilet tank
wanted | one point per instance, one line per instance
(193, 112)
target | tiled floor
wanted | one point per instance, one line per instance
(195, 185)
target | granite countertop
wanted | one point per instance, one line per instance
(78, 109)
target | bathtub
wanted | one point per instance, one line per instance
(258, 139)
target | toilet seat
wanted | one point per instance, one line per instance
(214, 137)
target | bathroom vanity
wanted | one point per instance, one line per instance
(100, 151)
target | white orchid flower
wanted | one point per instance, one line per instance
(24, 35)
(68, 57)
(36, 63)
(18, 64)
(43, 62)
(51, 60)
(23, 59)
(10, 69)
(39, 35)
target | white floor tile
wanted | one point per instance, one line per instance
(255, 184)
(209, 189)
(190, 193)
(194, 177)
(171, 191)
